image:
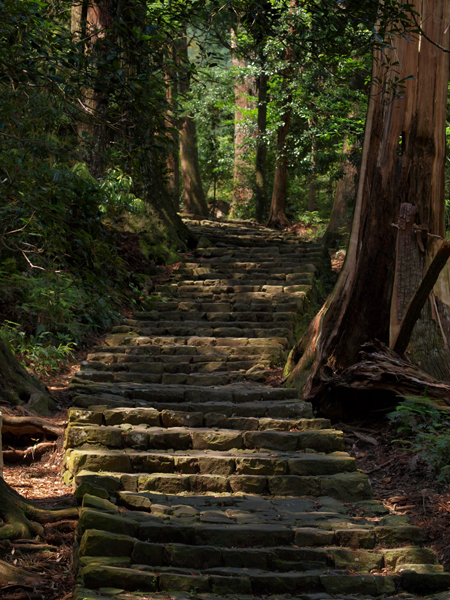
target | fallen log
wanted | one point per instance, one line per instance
(12, 455)
(380, 368)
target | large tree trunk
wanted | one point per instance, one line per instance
(261, 147)
(194, 197)
(277, 214)
(17, 387)
(93, 19)
(400, 197)
(243, 90)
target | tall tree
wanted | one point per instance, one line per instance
(398, 224)
(277, 214)
(194, 197)
(243, 96)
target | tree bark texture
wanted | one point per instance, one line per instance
(17, 387)
(399, 209)
(194, 197)
(340, 220)
(261, 149)
(277, 213)
(173, 164)
(243, 90)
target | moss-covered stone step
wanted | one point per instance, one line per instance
(237, 393)
(207, 329)
(98, 543)
(224, 463)
(142, 327)
(192, 526)
(178, 418)
(342, 486)
(160, 365)
(126, 339)
(203, 438)
(234, 295)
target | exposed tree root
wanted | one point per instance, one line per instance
(12, 575)
(380, 374)
(22, 519)
(31, 426)
(30, 454)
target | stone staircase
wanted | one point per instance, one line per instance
(199, 481)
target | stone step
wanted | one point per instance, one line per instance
(85, 467)
(199, 483)
(204, 329)
(196, 378)
(178, 418)
(203, 438)
(138, 347)
(159, 365)
(241, 314)
(214, 412)
(247, 472)
(112, 361)
(125, 339)
(234, 393)
(233, 292)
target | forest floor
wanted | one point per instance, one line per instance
(399, 480)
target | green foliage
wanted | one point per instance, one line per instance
(425, 431)
(41, 353)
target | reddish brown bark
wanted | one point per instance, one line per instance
(173, 165)
(261, 149)
(243, 91)
(277, 213)
(403, 159)
(194, 197)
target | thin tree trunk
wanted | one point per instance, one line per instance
(243, 90)
(99, 18)
(311, 206)
(402, 164)
(277, 214)
(340, 220)
(173, 165)
(261, 148)
(194, 197)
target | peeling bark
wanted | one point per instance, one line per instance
(243, 90)
(402, 163)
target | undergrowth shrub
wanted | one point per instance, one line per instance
(42, 353)
(425, 430)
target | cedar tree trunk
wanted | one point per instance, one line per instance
(261, 148)
(243, 90)
(398, 223)
(194, 197)
(173, 165)
(277, 214)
